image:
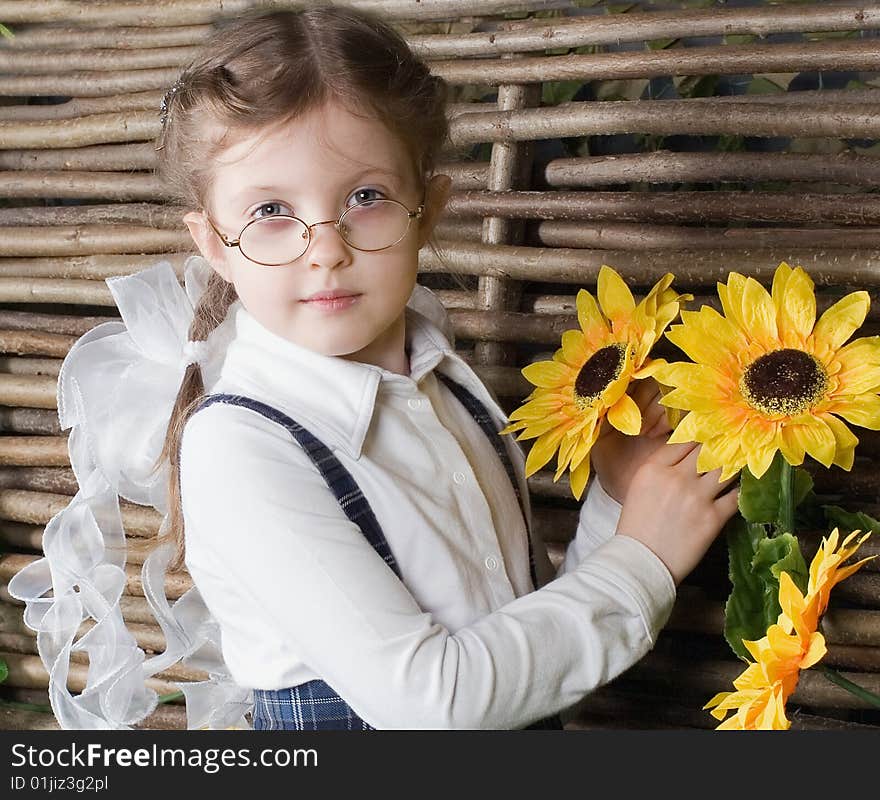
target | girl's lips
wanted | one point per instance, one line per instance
(333, 303)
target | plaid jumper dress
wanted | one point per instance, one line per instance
(314, 705)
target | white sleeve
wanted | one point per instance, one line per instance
(266, 538)
(597, 523)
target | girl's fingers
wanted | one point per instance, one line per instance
(728, 502)
(672, 454)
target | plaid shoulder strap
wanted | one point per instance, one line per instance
(482, 417)
(339, 479)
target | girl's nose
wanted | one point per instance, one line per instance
(327, 248)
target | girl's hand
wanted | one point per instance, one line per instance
(674, 510)
(615, 456)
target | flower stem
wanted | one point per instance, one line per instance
(853, 688)
(166, 698)
(786, 497)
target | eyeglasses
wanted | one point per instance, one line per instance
(280, 239)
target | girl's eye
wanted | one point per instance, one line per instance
(271, 210)
(365, 195)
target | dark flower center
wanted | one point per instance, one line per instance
(601, 369)
(786, 382)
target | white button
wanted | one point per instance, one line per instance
(491, 562)
(458, 477)
(414, 403)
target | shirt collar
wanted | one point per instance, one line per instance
(334, 397)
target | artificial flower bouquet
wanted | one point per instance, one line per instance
(768, 386)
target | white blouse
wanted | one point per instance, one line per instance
(299, 593)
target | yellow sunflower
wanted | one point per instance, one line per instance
(792, 644)
(767, 376)
(588, 375)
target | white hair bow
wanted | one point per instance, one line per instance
(116, 389)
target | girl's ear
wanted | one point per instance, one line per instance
(436, 195)
(207, 242)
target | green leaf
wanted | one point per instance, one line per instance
(660, 44)
(849, 521)
(5, 32)
(698, 86)
(762, 85)
(759, 498)
(745, 604)
(555, 92)
(4, 671)
(739, 38)
(775, 556)
(755, 563)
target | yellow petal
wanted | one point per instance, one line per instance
(796, 315)
(861, 410)
(759, 314)
(759, 460)
(542, 450)
(840, 321)
(731, 298)
(706, 337)
(818, 439)
(615, 298)
(780, 279)
(580, 478)
(845, 439)
(547, 374)
(625, 416)
(590, 317)
(574, 349)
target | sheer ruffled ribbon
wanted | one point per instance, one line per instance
(116, 390)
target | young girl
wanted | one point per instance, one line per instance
(353, 523)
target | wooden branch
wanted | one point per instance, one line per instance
(51, 62)
(73, 185)
(57, 480)
(31, 391)
(86, 239)
(35, 343)
(21, 537)
(60, 38)
(89, 84)
(40, 507)
(95, 129)
(666, 167)
(193, 12)
(635, 236)
(59, 323)
(667, 117)
(566, 304)
(83, 292)
(151, 215)
(100, 158)
(34, 451)
(698, 268)
(729, 59)
(82, 107)
(634, 26)
(92, 270)
(673, 207)
(29, 421)
(509, 168)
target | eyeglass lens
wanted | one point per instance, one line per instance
(373, 225)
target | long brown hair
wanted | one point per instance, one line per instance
(265, 68)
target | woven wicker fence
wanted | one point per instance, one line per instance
(671, 136)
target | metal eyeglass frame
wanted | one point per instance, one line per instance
(417, 214)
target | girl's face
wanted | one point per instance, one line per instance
(315, 167)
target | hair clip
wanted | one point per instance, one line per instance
(166, 99)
